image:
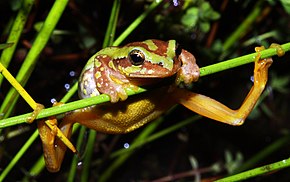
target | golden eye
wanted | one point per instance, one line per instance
(136, 57)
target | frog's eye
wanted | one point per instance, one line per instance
(178, 49)
(136, 57)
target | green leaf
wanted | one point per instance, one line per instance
(286, 5)
(205, 7)
(4, 46)
(215, 15)
(204, 26)
(190, 18)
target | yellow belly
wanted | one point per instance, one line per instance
(123, 117)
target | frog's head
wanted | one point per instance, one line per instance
(155, 59)
(147, 59)
(137, 63)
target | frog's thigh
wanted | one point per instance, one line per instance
(213, 109)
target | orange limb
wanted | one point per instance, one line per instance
(213, 109)
(53, 147)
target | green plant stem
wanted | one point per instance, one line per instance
(104, 98)
(111, 30)
(31, 58)
(70, 93)
(221, 66)
(138, 20)
(52, 111)
(36, 169)
(270, 149)
(18, 155)
(74, 163)
(272, 34)
(15, 33)
(257, 171)
(244, 27)
(88, 157)
(109, 37)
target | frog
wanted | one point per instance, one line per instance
(165, 69)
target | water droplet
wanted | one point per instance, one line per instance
(252, 79)
(67, 86)
(126, 145)
(52, 100)
(175, 2)
(72, 73)
(80, 163)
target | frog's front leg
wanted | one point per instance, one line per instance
(213, 109)
(101, 76)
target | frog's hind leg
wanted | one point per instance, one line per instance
(53, 142)
(213, 109)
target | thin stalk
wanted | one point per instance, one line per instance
(18, 87)
(73, 168)
(15, 33)
(244, 27)
(31, 58)
(257, 171)
(136, 23)
(270, 149)
(239, 61)
(18, 155)
(88, 157)
(104, 98)
(111, 30)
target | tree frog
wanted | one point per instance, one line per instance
(157, 64)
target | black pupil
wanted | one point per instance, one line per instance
(136, 57)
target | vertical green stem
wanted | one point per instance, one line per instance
(134, 24)
(18, 155)
(244, 27)
(110, 33)
(30, 61)
(15, 33)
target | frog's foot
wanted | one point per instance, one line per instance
(47, 137)
(117, 92)
(57, 103)
(280, 51)
(111, 82)
(52, 124)
(34, 114)
(54, 142)
(261, 68)
(114, 87)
